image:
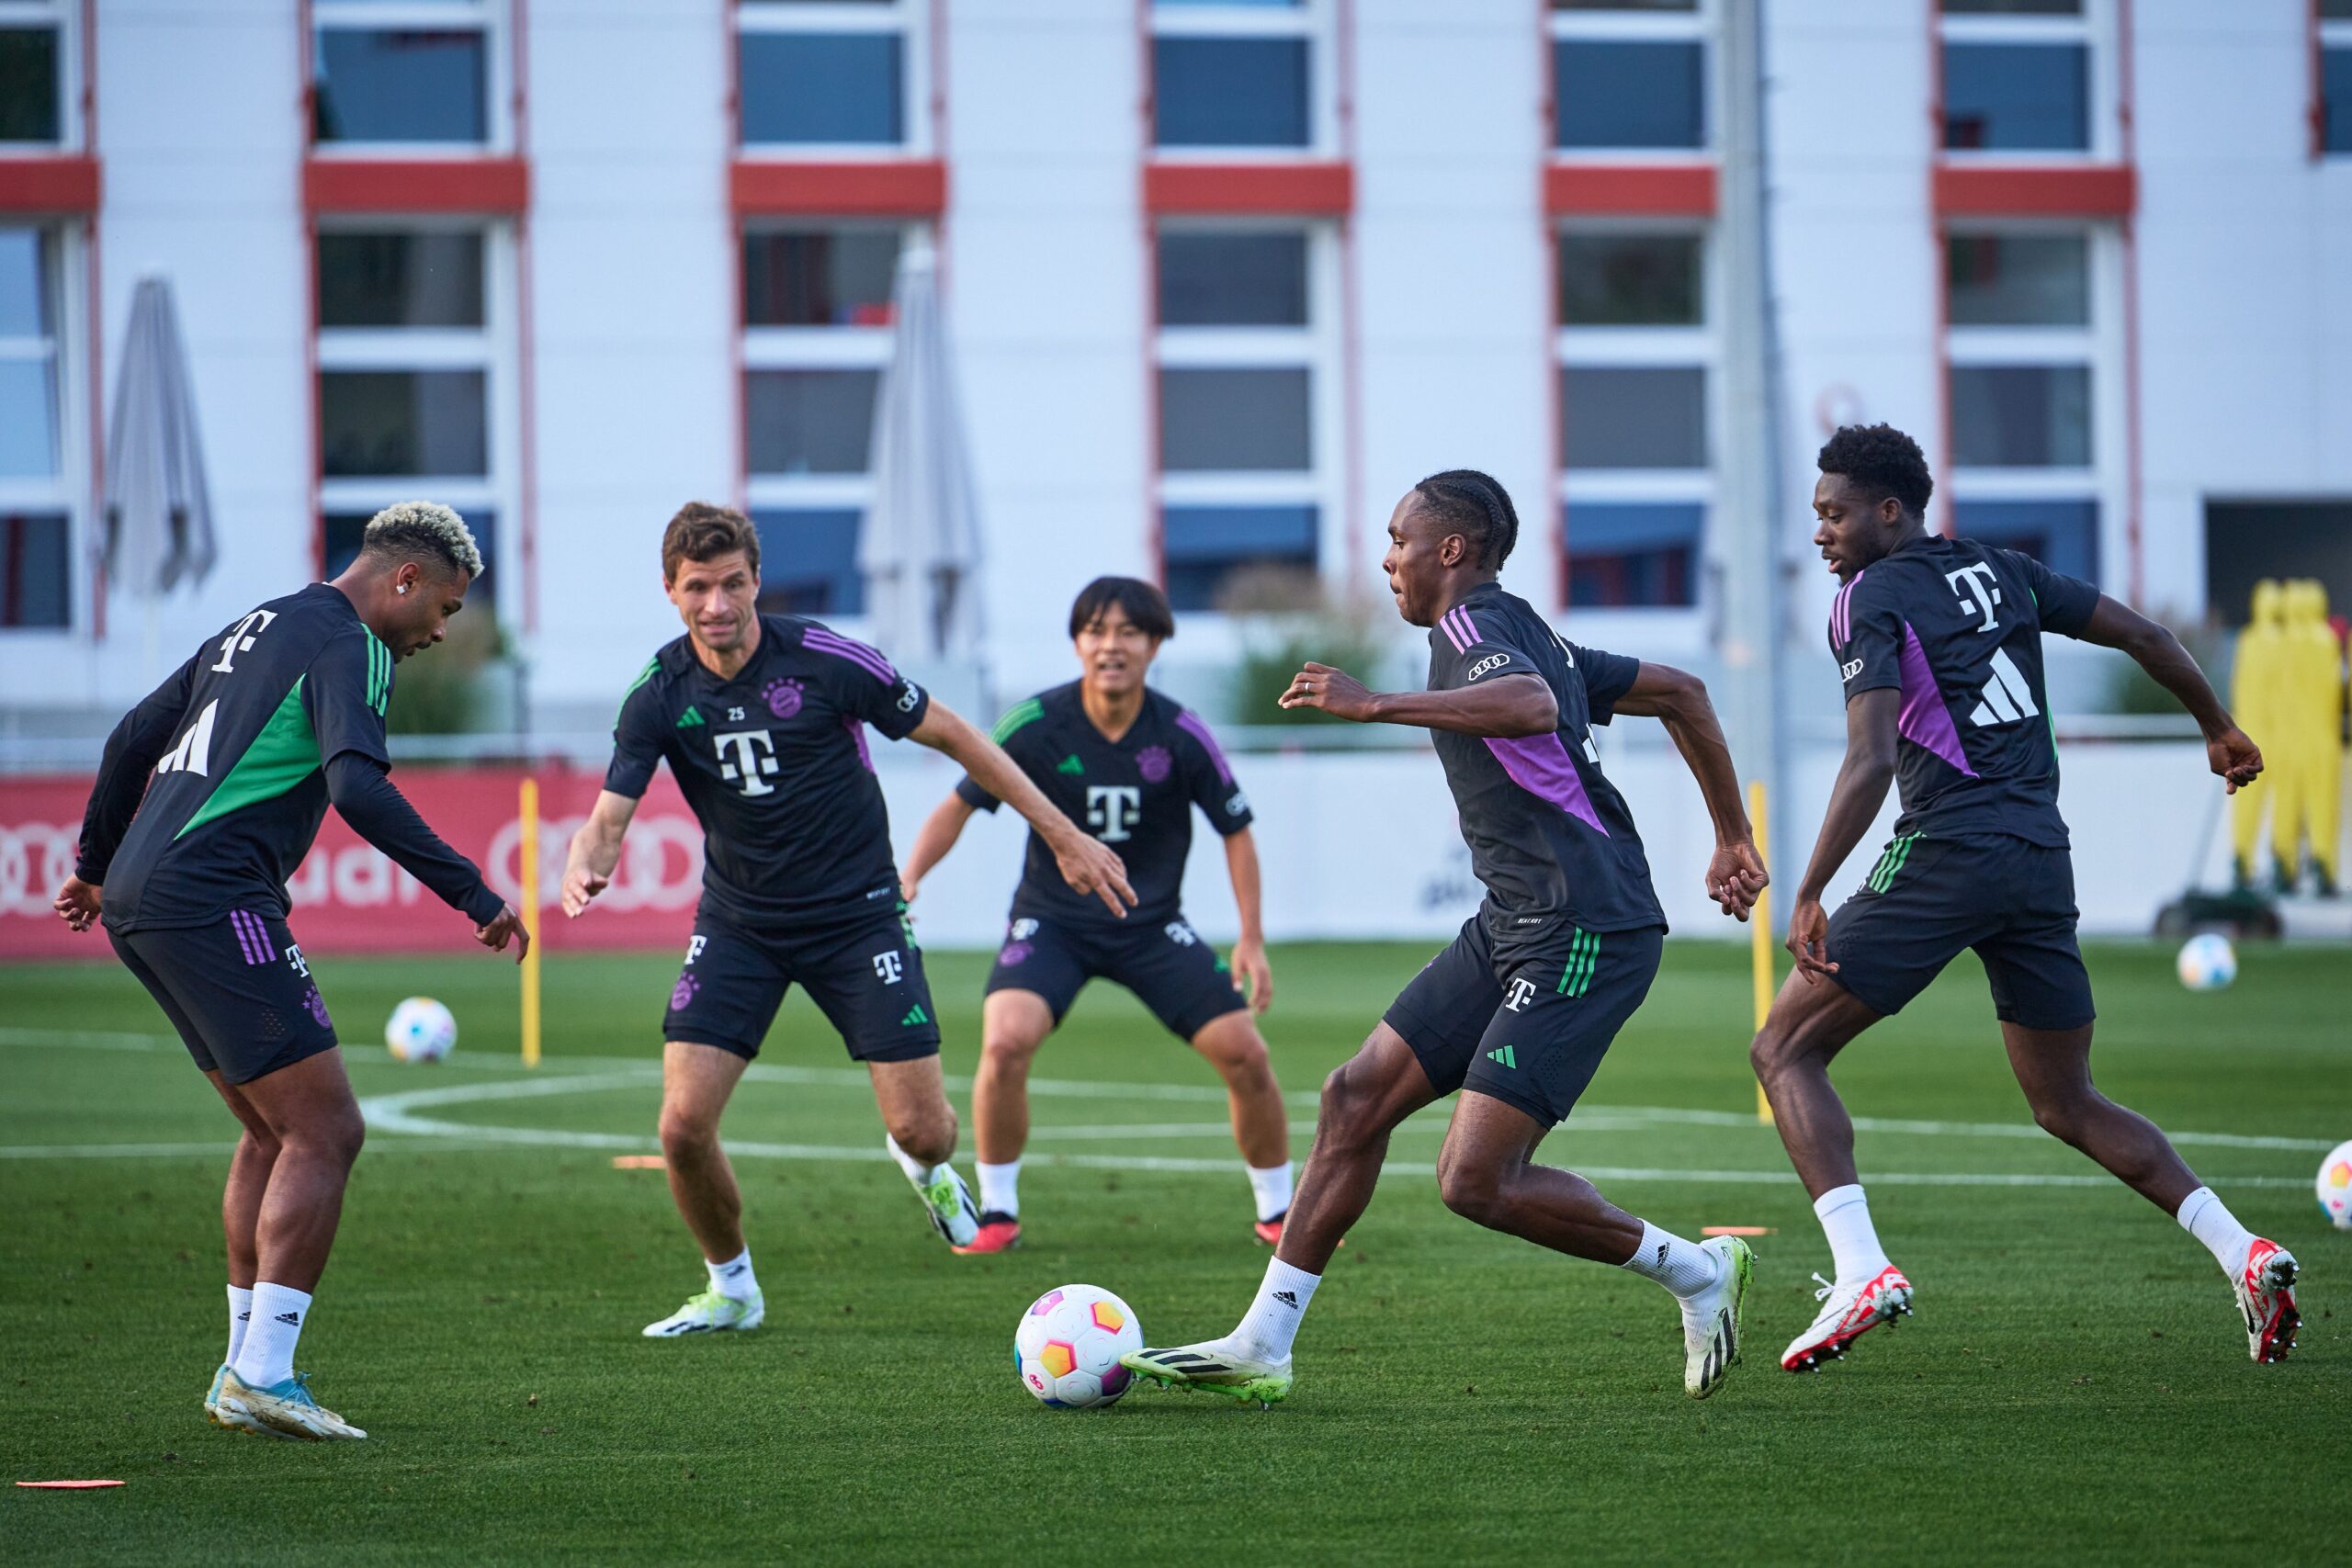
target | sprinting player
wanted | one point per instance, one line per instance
(248, 743)
(1517, 1013)
(1939, 642)
(1131, 764)
(763, 721)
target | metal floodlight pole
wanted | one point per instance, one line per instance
(1744, 541)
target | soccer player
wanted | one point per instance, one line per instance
(1517, 1013)
(763, 721)
(1131, 764)
(248, 743)
(1938, 643)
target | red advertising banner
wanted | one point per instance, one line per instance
(348, 898)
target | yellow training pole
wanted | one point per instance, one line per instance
(1760, 933)
(530, 870)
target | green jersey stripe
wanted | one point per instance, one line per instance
(284, 754)
(642, 677)
(1017, 718)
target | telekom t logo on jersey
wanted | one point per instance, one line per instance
(240, 640)
(1974, 585)
(753, 760)
(1111, 809)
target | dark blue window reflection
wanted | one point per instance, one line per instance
(401, 84)
(1633, 555)
(2061, 534)
(822, 87)
(1205, 545)
(1628, 93)
(2021, 97)
(1229, 92)
(808, 560)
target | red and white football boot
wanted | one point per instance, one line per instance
(1847, 1312)
(2265, 1291)
(999, 1231)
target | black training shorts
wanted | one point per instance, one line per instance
(239, 991)
(1527, 1019)
(1168, 967)
(1926, 899)
(867, 979)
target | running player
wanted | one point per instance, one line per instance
(763, 721)
(1517, 1013)
(1131, 764)
(248, 743)
(1939, 642)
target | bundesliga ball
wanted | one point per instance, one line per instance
(2335, 1187)
(421, 1029)
(1069, 1344)
(2207, 962)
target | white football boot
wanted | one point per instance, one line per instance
(1214, 1366)
(286, 1409)
(1711, 1319)
(710, 1313)
(1847, 1312)
(949, 1204)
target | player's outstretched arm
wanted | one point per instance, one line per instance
(134, 748)
(2233, 757)
(1250, 965)
(1506, 707)
(1860, 790)
(367, 799)
(1087, 864)
(932, 840)
(1679, 700)
(595, 850)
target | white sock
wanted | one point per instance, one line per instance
(916, 1172)
(1272, 1322)
(2202, 1216)
(1684, 1268)
(241, 1312)
(1272, 1187)
(734, 1279)
(1001, 1188)
(267, 1358)
(1845, 1216)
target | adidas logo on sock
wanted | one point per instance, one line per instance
(247, 1315)
(1661, 1254)
(295, 1318)
(1287, 1299)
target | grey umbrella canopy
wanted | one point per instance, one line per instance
(919, 549)
(159, 519)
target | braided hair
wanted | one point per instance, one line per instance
(1475, 505)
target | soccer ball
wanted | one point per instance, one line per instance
(2207, 962)
(1069, 1344)
(2335, 1187)
(421, 1029)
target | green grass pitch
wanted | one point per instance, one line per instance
(2075, 1387)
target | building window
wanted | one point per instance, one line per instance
(415, 378)
(831, 75)
(38, 74)
(1629, 76)
(2335, 76)
(1237, 75)
(2018, 76)
(427, 73)
(37, 500)
(2246, 541)
(2028, 346)
(1246, 397)
(1636, 374)
(817, 317)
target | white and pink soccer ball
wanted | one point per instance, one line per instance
(1069, 1344)
(421, 1029)
(2333, 1187)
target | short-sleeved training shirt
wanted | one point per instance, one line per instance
(774, 765)
(1956, 627)
(265, 703)
(1137, 794)
(1548, 834)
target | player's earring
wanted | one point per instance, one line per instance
(399, 588)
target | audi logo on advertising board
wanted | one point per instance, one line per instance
(346, 888)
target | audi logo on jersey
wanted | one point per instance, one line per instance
(1487, 665)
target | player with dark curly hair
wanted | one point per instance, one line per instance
(1938, 643)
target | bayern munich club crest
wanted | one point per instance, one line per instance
(682, 995)
(784, 697)
(318, 1006)
(1154, 763)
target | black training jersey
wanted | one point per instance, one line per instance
(1135, 793)
(1548, 834)
(774, 763)
(1957, 628)
(237, 799)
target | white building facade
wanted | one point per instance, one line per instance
(1224, 279)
